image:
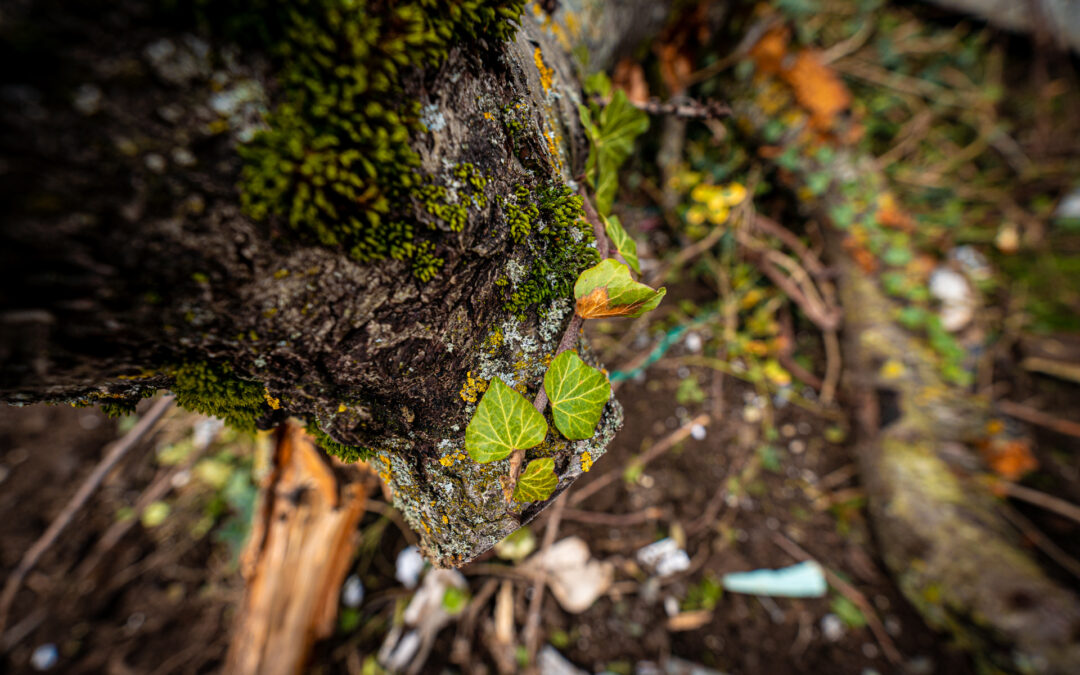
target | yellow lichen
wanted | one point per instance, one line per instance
(274, 403)
(472, 388)
(546, 74)
(586, 461)
(341, 408)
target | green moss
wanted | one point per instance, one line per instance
(214, 390)
(346, 453)
(336, 158)
(564, 247)
(519, 213)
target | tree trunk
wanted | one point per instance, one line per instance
(137, 266)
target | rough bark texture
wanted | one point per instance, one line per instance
(131, 255)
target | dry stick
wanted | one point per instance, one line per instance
(530, 635)
(569, 337)
(851, 593)
(614, 519)
(649, 455)
(1038, 417)
(1041, 499)
(156, 490)
(119, 449)
(1040, 540)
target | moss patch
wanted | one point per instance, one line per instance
(336, 158)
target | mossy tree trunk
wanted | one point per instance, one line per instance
(356, 216)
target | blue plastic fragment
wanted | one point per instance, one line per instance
(804, 580)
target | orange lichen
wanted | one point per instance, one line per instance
(546, 73)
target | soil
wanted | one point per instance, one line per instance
(161, 601)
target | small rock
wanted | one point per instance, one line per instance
(957, 298)
(832, 627)
(697, 432)
(409, 566)
(693, 342)
(664, 557)
(551, 662)
(155, 162)
(171, 113)
(352, 593)
(183, 157)
(87, 99)
(45, 657)
(1069, 206)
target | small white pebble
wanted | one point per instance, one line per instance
(671, 606)
(155, 162)
(697, 432)
(832, 627)
(409, 566)
(352, 593)
(693, 342)
(45, 657)
(183, 157)
(87, 99)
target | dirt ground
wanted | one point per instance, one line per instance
(162, 599)
(768, 471)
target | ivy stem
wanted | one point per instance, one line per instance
(569, 339)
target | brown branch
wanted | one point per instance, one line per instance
(1040, 499)
(659, 448)
(1038, 417)
(530, 634)
(851, 593)
(119, 449)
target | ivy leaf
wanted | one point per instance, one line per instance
(607, 290)
(611, 141)
(537, 482)
(504, 421)
(578, 393)
(627, 247)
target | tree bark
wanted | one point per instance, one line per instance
(132, 256)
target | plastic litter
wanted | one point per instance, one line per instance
(804, 580)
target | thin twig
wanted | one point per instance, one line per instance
(1040, 499)
(119, 449)
(530, 634)
(659, 448)
(1038, 417)
(569, 338)
(614, 519)
(1040, 540)
(156, 490)
(851, 593)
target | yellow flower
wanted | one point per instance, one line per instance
(695, 215)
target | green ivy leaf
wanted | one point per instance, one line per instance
(537, 482)
(626, 246)
(504, 421)
(578, 393)
(611, 141)
(608, 290)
